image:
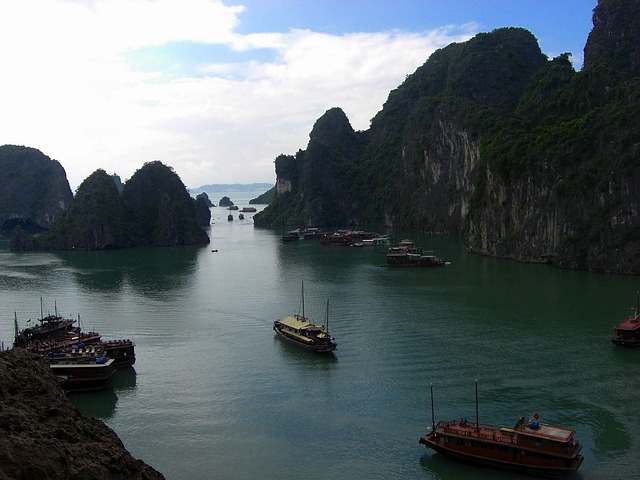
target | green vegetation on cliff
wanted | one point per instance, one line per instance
(160, 208)
(264, 199)
(34, 190)
(154, 209)
(524, 156)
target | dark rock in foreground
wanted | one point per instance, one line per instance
(42, 435)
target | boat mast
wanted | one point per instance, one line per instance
(15, 324)
(477, 421)
(327, 320)
(303, 299)
(433, 417)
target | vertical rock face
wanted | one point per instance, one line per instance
(202, 206)
(525, 157)
(614, 41)
(34, 190)
(160, 208)
(563, 186)
(42, 435)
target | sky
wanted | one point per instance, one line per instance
(217, 89)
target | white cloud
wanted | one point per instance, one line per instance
(68, 89)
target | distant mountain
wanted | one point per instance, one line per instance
(34, 190)
(154, 209)
(232, 187)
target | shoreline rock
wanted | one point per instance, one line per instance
(43, 435)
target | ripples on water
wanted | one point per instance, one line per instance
(215, 394)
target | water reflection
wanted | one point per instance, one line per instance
(96, 404)
(147, 270)
(124, 379)
(292, 353)
(102, 404)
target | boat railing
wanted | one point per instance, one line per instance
(484, 432)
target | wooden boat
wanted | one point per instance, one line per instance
(52, 333)
(627, 332)
(407, 254)
(531, 447)
(301, 331)
(122, 351)
(83, 373)
(60, 336)
(249, 209)
(291, 236)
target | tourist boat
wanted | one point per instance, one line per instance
(337, 238)
(301, 331)
(408, 254)
(59, 336)
(83, 373)
(53, 333)
(291, 236)
(627, 332)
(531, 447)
(249, 209)
(122, 351)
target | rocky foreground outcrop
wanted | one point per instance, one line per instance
(42, 435)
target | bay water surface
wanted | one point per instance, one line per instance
(215, 394)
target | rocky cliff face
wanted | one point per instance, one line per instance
(523, 156)
(573, 199)
(154, 209)
(34, 190)
(42, 435)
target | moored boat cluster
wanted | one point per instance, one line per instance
(403, 254)
(81, 361)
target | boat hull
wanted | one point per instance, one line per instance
(419, 261)
(84, 377)
(501, 455)
(626, 342)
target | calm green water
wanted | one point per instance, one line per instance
(215, 394)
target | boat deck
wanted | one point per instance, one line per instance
(631, 323)
(505, 434)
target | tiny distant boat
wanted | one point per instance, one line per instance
(408, 254)
(301, 331)
(531, 447)
(233, 207)
(627, 332)
(291, 236)
(248, 209)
